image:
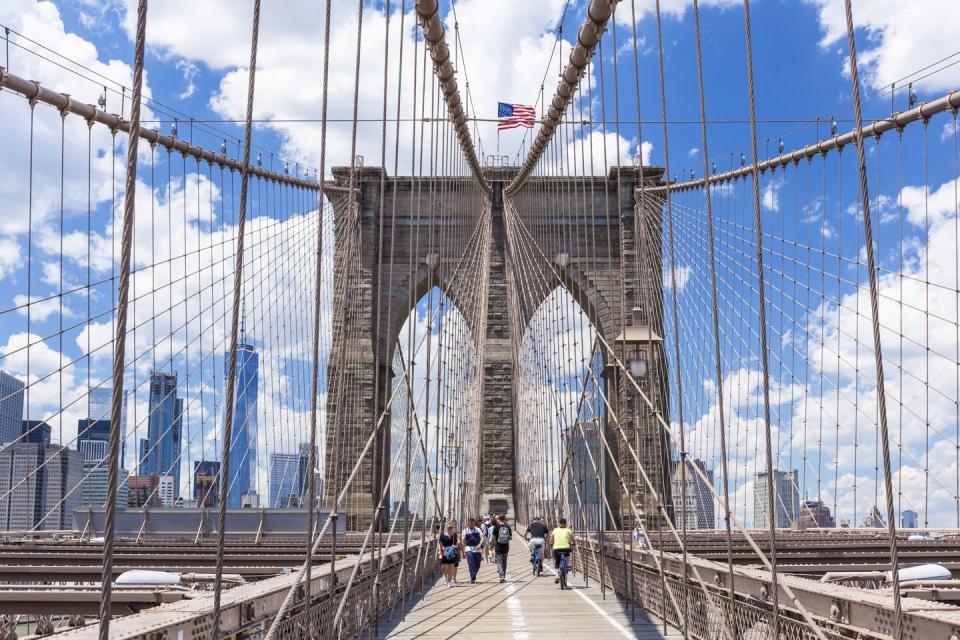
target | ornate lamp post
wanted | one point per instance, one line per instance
(638, 346)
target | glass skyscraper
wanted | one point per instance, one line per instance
(289, 475)
(909, 519)
(11, 407)
(93, 439)
(206, 487)
(36, 431)
(243, 448)
(93, 442)
(100, 402)
(303, 474)
(284, 491)
(160, 452)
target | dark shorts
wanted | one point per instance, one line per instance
(556, 556)
(454, 562)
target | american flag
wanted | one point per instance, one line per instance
(515, 115)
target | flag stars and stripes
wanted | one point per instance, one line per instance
(515, 115)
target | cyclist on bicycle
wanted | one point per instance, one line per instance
(561, 540)
(535, 535)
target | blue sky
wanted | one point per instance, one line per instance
(196, 60)
(799, 73)
(195, 67)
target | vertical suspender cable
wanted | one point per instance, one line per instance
(678, 376)
(234, 325)
(317, 309)
(353, 221)
(119, 353)
(379, 459)
(875, 318)
(762, 311)
(713, 298)
(408, 524)
(621, 388)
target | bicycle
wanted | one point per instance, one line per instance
(537, 561)
(563, 569)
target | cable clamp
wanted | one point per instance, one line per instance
(32, 100)
(65, 108)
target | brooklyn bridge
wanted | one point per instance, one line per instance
(263, 375)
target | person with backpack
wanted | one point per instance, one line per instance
(502, 533)
(487, 528)
(450, 548)
(473, 541)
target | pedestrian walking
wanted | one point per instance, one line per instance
(450, 548)
(502, 533)
(472, 548)
(487, 528)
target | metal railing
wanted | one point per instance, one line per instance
(249, 609)
(840, 611)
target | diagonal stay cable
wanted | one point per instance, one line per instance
(875, 318)
(235, 322)
(126, 250)
(718, 499)
(345, 489)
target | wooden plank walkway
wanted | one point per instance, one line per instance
(523, 608)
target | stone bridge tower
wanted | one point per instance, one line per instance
(591, 271)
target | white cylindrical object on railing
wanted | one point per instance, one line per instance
(921, 572)
(146, 577)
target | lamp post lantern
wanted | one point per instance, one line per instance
(637, 347)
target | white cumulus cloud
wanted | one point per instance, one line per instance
(902, 37)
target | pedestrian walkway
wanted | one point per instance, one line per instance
(523, 608)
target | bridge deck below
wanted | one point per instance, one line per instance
(524, 608)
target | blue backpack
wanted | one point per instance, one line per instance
(450, 553)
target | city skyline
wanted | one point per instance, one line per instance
(157, 479)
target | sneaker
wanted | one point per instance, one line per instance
(502, 580)
(556, 580)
